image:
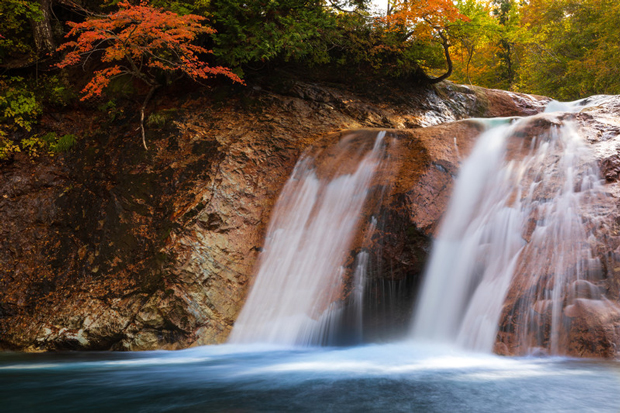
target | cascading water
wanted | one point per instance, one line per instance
(296, 296)
(517, 248)
(479, 239)
(514, 262)
(516, 209)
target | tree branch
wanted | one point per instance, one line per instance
(146, 101)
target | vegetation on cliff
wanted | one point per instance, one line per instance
(129, 49)
(140, 42)
(565, 49)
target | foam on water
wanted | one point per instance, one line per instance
(400, 377)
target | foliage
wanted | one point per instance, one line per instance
(54, 90)
(158, 119)
(21, 104)
(574, 49)
(143, 42)
(507, 14)
(488, 44)
(36, 145)
(111, 109)
(422, 21)
(258, 31)
(49, 143)
(566, 49)
(362, 45)
(18, 104)
(15, 35)
(7, 146)
(475, 38)
(58, 144)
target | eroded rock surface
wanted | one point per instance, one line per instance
(112, 247)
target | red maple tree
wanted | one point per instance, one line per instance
(143, 42)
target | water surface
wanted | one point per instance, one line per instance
(402, 377)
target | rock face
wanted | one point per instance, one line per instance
(111, 247)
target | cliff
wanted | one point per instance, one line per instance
(114, 247)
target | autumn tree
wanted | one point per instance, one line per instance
(425, 21)
(573, 50)
(475, 38)
(487, 44)
(143, 42)
(507, 15)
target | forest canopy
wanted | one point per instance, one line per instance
(565, 49)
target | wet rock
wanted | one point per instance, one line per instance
(584, 289)
(112, 247)
(543, 307)
(594, 328)
(499, 103)
(610, 168)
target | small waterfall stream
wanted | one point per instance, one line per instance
(518, 208)
(296, 296)
(476, 250)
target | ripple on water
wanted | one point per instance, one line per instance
(394, 377)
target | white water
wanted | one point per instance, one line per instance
(378, 378)
(296, 296)
(487, 236)
(477, 247)
(517, 226)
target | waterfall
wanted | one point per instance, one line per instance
(517, 208)
(514, 267)
(297, 294)
(479, 236)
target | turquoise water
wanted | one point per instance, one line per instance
(376, 378)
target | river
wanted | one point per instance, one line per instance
(398, 377)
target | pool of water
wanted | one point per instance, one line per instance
(376, 378)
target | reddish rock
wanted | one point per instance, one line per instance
(109, 247)
(610, 168)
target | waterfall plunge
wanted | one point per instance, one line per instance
(523, 215)
(298, 288)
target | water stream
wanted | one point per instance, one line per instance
(375, 378)
(518, 206)
(300, 277)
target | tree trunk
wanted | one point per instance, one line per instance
(42, 29)
(446, 50)
(146, 102)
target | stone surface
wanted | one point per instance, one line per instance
(112, 247)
